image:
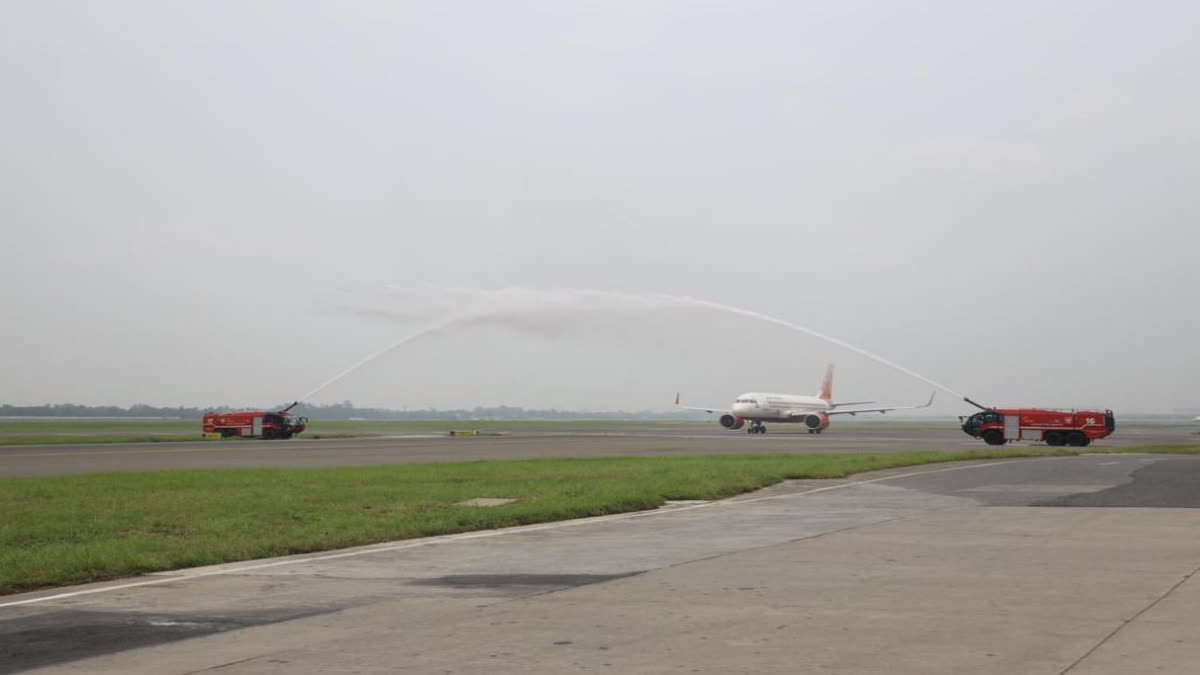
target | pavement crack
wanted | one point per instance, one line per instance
(1130, 620)
(223, 665)
(815, 535)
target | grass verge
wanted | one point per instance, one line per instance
(95, 439)
(1159, 449)
(73, 529)
(99, 439)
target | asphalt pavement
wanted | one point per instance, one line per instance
(933, 569)
(301, 452)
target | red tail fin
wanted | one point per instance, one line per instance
(827, 385)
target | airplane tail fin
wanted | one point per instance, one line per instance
(826, 392)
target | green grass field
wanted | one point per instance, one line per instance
(73, 529)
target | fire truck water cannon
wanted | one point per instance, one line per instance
(1077, 428)
(254, 424)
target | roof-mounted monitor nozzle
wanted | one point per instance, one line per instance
(975, 404)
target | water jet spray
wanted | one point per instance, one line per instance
(533, 301)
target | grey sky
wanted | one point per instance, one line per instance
(209, 202)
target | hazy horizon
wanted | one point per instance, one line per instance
(227, 203)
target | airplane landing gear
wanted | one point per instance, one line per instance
(756, 428)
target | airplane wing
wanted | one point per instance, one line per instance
(846, 403)
(855, 411)
(720, 409)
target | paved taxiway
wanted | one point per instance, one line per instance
(72, 459)
(934, 569)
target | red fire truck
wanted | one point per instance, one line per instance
(254, 424)
(997, 426)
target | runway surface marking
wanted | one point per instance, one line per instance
(181, 575)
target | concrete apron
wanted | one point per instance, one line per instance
(868, 578)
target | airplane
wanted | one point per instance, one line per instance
(812, 411)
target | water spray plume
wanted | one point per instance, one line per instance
(832, 340)
(515, 300)
(375, 355)
(511, 300)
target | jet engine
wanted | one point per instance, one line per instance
(816, 421)
(732, 421)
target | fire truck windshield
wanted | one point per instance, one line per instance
(972, 423)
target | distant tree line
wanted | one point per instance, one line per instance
(341, 411)
(75, 410)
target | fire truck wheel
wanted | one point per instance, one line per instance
(1076, 439)
(993, 437)
(1055, 438)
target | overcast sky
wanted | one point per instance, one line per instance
(232, 202)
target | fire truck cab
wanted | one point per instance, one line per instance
(997, 426)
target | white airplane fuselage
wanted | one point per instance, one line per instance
(813, 412)
(763, 407)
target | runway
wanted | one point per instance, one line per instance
(1049, 565)
(300, 452)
